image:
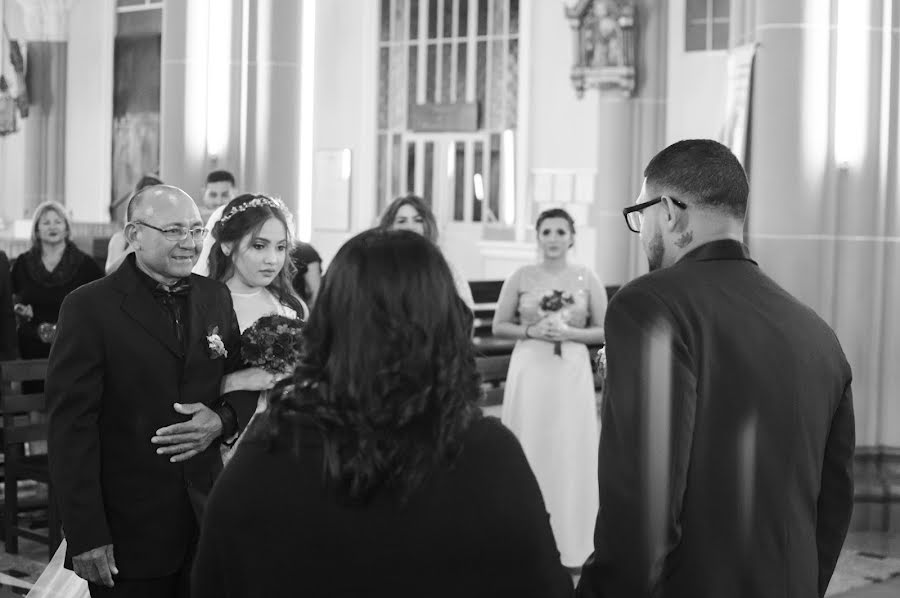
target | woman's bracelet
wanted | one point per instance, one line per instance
(526, 331)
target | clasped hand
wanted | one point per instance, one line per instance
(549, 329)
(187, 439)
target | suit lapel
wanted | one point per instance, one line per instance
(198, 322)
(139, 304)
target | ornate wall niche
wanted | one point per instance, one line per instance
(604, 46)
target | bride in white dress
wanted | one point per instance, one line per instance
(549, 400)
(250, 255)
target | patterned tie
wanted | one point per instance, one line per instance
(168, 293)
(179, 289)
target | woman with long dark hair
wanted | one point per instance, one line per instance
(250, 254)
(374, 472)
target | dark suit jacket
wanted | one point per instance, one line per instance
(8, 341)
(740, 485)
(116, 368)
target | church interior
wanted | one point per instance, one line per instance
(492, 110)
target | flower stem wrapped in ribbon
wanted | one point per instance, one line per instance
(554, 304)
(273, 343)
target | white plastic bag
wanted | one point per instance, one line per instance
(58, 582)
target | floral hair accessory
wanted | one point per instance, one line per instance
(259, 201)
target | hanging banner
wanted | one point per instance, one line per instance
(738, 98)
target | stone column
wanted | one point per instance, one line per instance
(824, 215)
(630, 132)
(246, 119)
(46, 30)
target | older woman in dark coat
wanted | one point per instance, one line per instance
(44, 275)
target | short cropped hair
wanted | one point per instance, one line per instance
(703, 170)
(218, 176)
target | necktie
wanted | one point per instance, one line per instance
(168, 294)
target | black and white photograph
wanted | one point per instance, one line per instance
(449, 298)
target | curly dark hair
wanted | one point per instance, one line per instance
(234, 226)
(388, 377)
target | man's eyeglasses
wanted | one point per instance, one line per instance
(178, 233)
(634, 216)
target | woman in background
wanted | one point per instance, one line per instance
(410, 212)
(44, 275)
(308, 278)
(549, 400)
(374, 473)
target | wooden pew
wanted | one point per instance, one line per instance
(16, 408)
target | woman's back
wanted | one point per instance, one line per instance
(478, 528)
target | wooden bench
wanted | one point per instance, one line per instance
(19, 428)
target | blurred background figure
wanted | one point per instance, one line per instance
(8, 342)
(44, 275)
(410, 212)
(218, 190)
(375, 459)
(308, 278)
(118, 245)
(555, 309)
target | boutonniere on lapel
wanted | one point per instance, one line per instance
(216, 346)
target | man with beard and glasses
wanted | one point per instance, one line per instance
(728, 436)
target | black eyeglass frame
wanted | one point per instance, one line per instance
(188, 232)
(639, 207)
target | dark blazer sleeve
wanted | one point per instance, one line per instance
(835, 503)
(642, 424)
(74, 390)
(8, 342)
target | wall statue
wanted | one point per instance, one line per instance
(604, 35)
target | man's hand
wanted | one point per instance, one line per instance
(97, 566)
(190, 438)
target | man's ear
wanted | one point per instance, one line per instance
(673, 214)
(130, 233)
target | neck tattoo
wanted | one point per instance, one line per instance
(684, 240)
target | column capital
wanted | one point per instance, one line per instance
(46, 20)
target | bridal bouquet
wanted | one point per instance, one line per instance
(273, 343)
(555, 304)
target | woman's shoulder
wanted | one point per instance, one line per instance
(488, 436)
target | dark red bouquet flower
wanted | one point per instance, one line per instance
(273, 343)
